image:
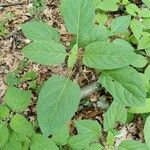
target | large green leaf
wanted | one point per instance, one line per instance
(104, 55)
(147, 132)
(125, 85)
(132, 9)
(39, 31)
(79, 142)
(89, 127)
(17, 99)
(147, 3)
(95, 146)
(140, 62)
(61, 135)
(4, 134)
(39, 142)
(46, 53)
(141, 109)
(108, 5)
(13, 142)
(97, 33)
(78, 15)
(120, 24)
(144, 42)
(21, 125)
(4, 112)
(112, 116)
(132, 145)
(57, 103)
(137, 28)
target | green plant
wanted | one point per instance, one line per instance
(109, 50)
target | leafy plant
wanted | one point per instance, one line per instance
(110, 50)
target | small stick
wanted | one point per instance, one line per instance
(89, 89)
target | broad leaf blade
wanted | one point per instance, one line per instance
(61, 135)
(108, 5)
(79, 142)
(147, 132)
(120, 24)
(95, 146)
(4, 112)
(4, 134)
(58, 101)
(137, 28)
(78, 15)
(39, 31)
(141, 109)
(97, 33)
(17, 99)
(112, 116)
(89, 127)
(147, 3)
(104, 55)
(21, 125)
(132, 145)
(125, 85)
(46, 53)
(39, 142)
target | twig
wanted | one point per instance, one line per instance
(89, 89)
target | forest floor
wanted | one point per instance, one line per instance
(11, 59)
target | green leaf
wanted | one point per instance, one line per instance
(79, 142)
(73, 56)
(147, 131)
(31, 75)
(21, 125)
(146, 23)
(26, 144)
(145, 13)
(39, 142)
(13, 142)
(4, 112)
(141, 109)
(108, 5)
(97, 33)
(112, 116)
(17, 99)
(45, 53)
(58, 100)
(144, 42)
(140, 62)
(123, 43)
(125, 85)
(132, 9)
(95, 146)
(147, 72)
(78, 15)
(4, 134)
(137, 28)
(104, 55)
(39, 31)
(111, 136)
(89, 127)
(132, 145)
(12, 80)
(120, 24)
(147, 3)
(61, 135)
(101, 18)
(147, 51)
